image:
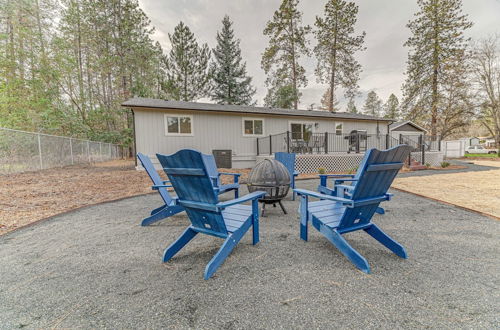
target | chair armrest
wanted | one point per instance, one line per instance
(303, 192)
(226, 173)
(344, 186)
(158, 186)
(246, 198)
(295, 173)
(349, 180)
(337, 175)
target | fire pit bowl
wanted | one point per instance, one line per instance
(272, 177)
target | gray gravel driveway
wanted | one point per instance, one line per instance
(97, 268)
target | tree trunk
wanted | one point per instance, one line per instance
(435, 72)
(294, 67)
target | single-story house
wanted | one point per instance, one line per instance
(406, 129)
(162, 126)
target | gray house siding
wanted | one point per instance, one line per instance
(221, 130)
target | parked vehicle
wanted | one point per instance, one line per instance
(479, 150)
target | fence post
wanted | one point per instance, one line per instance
(270, 145)
(439, 144)
(88, 151)
(400, 138)
(40, 151)
(387, 141)
(326, 143)
(71, 150)
(422, 148)
(288, 141)
(257, 139)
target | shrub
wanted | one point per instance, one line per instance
(445, 164)
(321, 170)
(427, 165)
(353, 170)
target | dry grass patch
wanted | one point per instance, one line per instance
(478, 191)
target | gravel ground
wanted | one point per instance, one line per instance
(96, 268)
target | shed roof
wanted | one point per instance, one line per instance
(139, 102)
(395, 125)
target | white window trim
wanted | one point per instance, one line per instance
(165, 123)
(253, 135)
(335, 127)
(290, 122)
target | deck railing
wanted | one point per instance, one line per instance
(318, 143)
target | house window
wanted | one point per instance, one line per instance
(178, 125)
(252, 127)
(338, 129)
(301, 131)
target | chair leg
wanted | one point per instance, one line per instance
(387, 241)
(176, 246)
(158, 209)
(303, 218)
(220, 256)
(293, 187)
(255, 222)
(162, 214)
(340, 243)
(380, 210)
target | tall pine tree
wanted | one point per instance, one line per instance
(437, 36)
(280, 59)
(351, 106)
(373, 105)
(336, 47)
(230, 83)
(187, 66)
(391, 107)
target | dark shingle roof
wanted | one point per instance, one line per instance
(139, 102)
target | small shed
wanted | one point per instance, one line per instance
(407, 129)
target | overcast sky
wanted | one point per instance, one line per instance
(384, 22)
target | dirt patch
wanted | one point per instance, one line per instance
(28, 197)
(478, 191)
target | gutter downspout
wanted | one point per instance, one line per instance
(135, 138)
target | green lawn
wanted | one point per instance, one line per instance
(481, 155)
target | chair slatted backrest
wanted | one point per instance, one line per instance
(155, 177)
(189, 176)
(287, 159)
(212, 169)
(375, 177)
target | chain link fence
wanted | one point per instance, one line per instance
(22, 151)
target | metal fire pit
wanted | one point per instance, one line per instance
(272, 177)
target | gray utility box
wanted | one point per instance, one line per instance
(223, 158)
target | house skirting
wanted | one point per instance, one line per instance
(342, 162)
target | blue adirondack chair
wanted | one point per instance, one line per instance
(336, 215)
(189, 174)
(215, 175)
(340, 179)
(171, 206)
(288, 159)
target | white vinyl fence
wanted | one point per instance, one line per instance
(22, 151)
(453, 149)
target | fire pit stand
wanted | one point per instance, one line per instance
(272, 177)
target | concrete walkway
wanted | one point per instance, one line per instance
(96, 268)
